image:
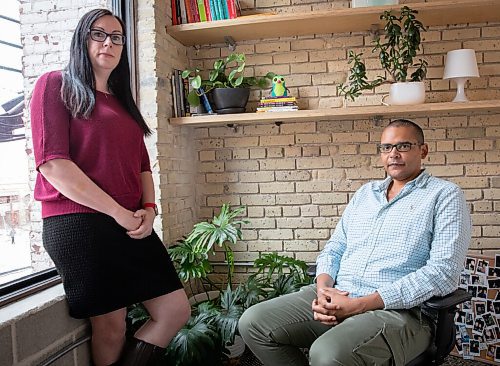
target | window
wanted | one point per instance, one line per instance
(15, 197)
(25, 268)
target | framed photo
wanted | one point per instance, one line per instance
(497, 354)
(482, 292)
(474, 348)
(482, 266)
(489, 320)
(494, 283)
(470, 264)
(493, 272)
(479, 308)
(490, 353)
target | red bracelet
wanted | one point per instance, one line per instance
(152, 205)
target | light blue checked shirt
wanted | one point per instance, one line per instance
(408, 249)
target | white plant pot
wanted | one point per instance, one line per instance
(363, 3)
(409, 93)
(237, 349)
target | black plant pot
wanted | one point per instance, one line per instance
(230, 100)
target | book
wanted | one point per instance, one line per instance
(213, 9)
(238, 7)
(285, 104)
(201, 10)
(174, 97)
(182, 5)
(277, 99)
(220, 11)
(189, 12)
(277, 109)
(194, 10)
(231, 6)
(173, 5)
(187, 106)
(180, 92)
(207, 10)
(225, 9)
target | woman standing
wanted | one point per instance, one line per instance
(97, 196)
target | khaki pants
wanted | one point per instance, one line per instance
(275, 330)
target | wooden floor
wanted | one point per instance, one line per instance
(248, 359)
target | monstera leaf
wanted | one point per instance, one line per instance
(197, 343)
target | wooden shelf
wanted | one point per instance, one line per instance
(340, 20)
(421, 110)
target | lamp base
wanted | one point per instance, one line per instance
(460, 97)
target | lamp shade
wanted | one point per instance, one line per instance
(460, 64)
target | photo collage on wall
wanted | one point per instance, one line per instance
(477, 321)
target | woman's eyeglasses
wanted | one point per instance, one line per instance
(401, 147)
(100, 36)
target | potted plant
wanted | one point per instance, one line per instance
(227, 85)
(191, 254)
(397, 51)
(211, 332)
(219, 309)
(210, 336)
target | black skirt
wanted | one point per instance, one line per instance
(102, 268)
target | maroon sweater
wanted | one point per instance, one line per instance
(109, 147)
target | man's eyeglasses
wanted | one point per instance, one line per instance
(401, 147)
(100, 36)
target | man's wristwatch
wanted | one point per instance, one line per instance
(152, 205)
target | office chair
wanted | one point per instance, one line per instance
(444, 338)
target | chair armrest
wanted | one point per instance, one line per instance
(445, 307)
(451, 300)
(311, 271)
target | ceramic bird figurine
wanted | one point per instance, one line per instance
(279, 88)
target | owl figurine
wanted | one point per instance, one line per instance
(279, 88)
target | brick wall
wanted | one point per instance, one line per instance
(171, 149)
(296, 178)
(36, 329)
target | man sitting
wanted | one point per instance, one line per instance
(399, 242)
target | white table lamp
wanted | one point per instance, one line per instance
(460, 65)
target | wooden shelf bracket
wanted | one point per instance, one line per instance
(230, 43)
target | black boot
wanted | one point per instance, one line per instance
(140, 353)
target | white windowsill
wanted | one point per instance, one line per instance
(31, 304)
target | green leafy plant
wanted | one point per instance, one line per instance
(226, 73)
(197, 343)
(396, 50)
(224, 230)
(278, 275)
(213, 325)
(229, 313)
(192, 262)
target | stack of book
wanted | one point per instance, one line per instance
(193, 11)
(278, 104)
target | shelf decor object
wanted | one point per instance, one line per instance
(460, 65)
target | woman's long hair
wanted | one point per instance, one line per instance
(78, 81)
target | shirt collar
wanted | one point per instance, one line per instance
(419, 181)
